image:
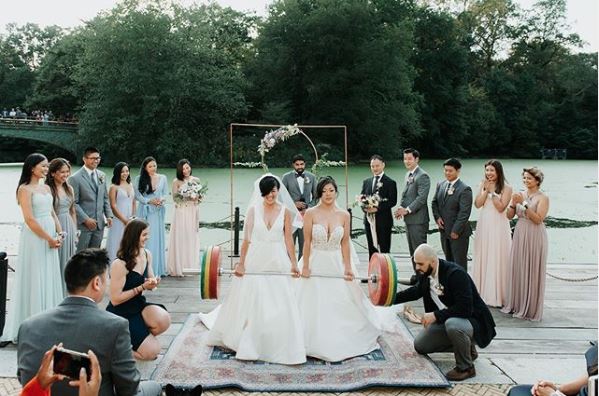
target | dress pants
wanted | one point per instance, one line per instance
(456, 335)
(456, 250)
(383, 234)
(89, 239)
(416, 234)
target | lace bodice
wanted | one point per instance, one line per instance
(322, 241)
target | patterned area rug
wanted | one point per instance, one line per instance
(190, 362)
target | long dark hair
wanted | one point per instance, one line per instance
(116, 173)
(500, 175)
(30, 162)
(129, 247)
(55, 165)
(145, 181)
(180, 165)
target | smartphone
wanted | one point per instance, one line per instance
(69, 363)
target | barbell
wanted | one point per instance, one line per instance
(381, 279)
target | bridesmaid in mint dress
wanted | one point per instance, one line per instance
(63, 202)
(122, 202)
(37, 284)
(151, 191)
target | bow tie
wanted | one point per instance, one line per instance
(299, 175)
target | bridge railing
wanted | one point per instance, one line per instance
(26, 124)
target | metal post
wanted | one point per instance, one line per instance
(351, 221)
(236, 236)
(3, 288)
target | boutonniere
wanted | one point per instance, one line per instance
(410, 179)
(450, 191)
(379, 185)
(306, 180)
(101, 178)
(438, 289)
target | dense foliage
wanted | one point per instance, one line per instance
(475, 78)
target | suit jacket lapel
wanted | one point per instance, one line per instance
(89, 180)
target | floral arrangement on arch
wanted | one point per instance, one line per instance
(273, 137)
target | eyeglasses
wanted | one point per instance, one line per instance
(95, 158)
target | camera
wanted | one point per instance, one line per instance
(69, 363)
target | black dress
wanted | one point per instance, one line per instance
(131, 310)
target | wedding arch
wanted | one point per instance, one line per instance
(280, 133)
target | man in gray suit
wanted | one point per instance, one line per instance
(81, 326)
(91, 200)
(452, 205)
(414, 208)
(301, 185)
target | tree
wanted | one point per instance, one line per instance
(333, 61)
(156, 82)
(55, 87)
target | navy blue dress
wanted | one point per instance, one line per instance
(131, 310)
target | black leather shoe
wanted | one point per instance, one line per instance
(459, 375)
(473, 352)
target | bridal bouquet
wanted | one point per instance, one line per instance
(190, 191)
(369, 201)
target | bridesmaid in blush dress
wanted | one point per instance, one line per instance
(528, 256)
(64, 206)
(37, 284)
(122, 202)
(151, 191)
(183, 247)
(493, 239)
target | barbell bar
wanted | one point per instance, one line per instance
(382, 276)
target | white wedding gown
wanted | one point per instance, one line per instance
(339, 320)
(260, 319)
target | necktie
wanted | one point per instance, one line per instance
(376, 182)
(95, 179)
(448, 188)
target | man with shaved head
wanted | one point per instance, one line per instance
(456, 317)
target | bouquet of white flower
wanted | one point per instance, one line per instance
(191, 191)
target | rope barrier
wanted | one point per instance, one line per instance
(590, 278)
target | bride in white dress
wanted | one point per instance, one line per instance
(260, 319)
(339, 321)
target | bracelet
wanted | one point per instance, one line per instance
(142, 287)
(512, 207)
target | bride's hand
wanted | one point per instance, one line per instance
(239, 269)
(305, 272)
(348, 275)
(295, 272)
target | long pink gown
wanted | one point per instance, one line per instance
(492, 244)
(528, 266)
(184, 243)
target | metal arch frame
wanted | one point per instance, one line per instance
(243, 125)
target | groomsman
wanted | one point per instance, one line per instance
(387, 190)
(301, 185)
(452, 205)
(456, 318)
(414, 207)
(91, 200)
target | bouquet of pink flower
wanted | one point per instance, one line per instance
(191, 191)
